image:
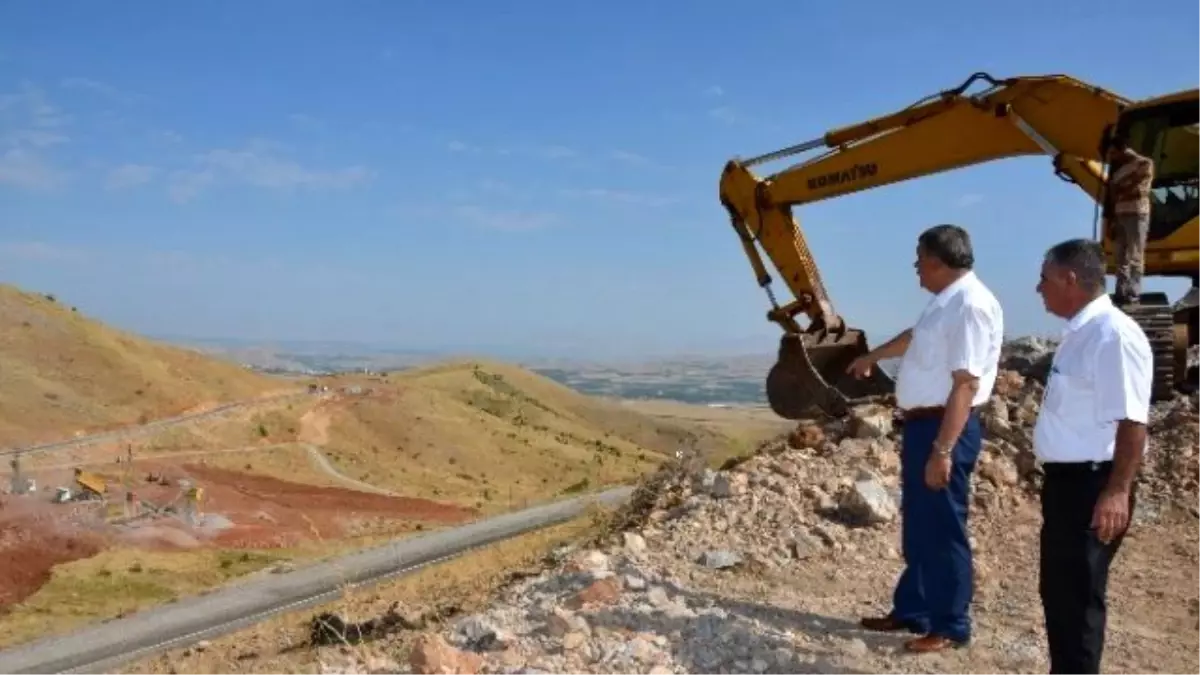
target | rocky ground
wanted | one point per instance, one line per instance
(766, 566)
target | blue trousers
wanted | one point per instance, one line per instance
(933, 594)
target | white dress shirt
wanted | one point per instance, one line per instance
(961, 328)
(1102, 373)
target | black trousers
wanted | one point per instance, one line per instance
(1073, 579)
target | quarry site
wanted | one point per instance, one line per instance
(751, 544)
(764, 563)
(397, 338)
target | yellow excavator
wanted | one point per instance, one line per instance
(1055, 115)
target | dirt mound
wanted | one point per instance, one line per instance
(260, 511)
(32, 542)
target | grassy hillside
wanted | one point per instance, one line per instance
(484, 434)
(64, 373)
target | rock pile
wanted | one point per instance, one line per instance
(646, 598)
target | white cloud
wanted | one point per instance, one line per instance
(263, 170)
(257, 165)
(629, 157)
(28, 170)
(185, 186)
(32, 125)
(556, 152)
(37, 138)
(619, 196)
(724, 114)
(32, 108)
(304, 121)
(550, 152)
(968, 200)
(714, 90)
(37, 251)
(459, 146)
(166, 136)
(505, 220)
(100, 88)
(129, 175)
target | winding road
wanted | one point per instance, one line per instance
(105, 646)
(126, 433)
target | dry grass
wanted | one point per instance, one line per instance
(65, 374)
(481, 434)
(121, 581)
(279, 645)
(494, 437)
(234, 431)
(745, 428)
(285, 461)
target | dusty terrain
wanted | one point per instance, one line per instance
(767, 565)
(244, 522)
(65, 374)
(291, 479)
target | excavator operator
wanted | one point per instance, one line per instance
(1127, 214)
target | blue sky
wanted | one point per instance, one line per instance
(529, 176)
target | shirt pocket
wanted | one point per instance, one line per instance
(1069, 396)
(925, 347)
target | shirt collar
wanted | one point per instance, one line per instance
(1088, 312)
(949, 291)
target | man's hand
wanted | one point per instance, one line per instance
(1111, 515)
(861, 367)
(937, 471)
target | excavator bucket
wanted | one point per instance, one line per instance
(810, 375)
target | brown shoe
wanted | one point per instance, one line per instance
(932, 643)
(883, 624)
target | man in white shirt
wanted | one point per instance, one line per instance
(1090, 435)
(948, 369)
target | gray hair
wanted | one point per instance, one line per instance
(1084, 257)
(950, 244)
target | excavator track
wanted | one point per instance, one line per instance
(1157, 319)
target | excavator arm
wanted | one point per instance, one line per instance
(1055, 115)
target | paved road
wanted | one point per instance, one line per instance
(127, 433)
(106, 646)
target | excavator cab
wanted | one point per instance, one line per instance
(1165, 129)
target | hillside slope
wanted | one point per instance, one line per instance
(490, 435)
(64, 373)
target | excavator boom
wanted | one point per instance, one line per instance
(1054, 115)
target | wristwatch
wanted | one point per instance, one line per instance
(943, 449)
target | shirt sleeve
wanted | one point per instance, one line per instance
(1124, 373)
(969, 341)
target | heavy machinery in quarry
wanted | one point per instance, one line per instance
(1054, 115)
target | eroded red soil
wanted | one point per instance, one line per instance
(33, 539)
(245, 511)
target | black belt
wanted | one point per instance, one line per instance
(932, 412)
(1075, 468)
